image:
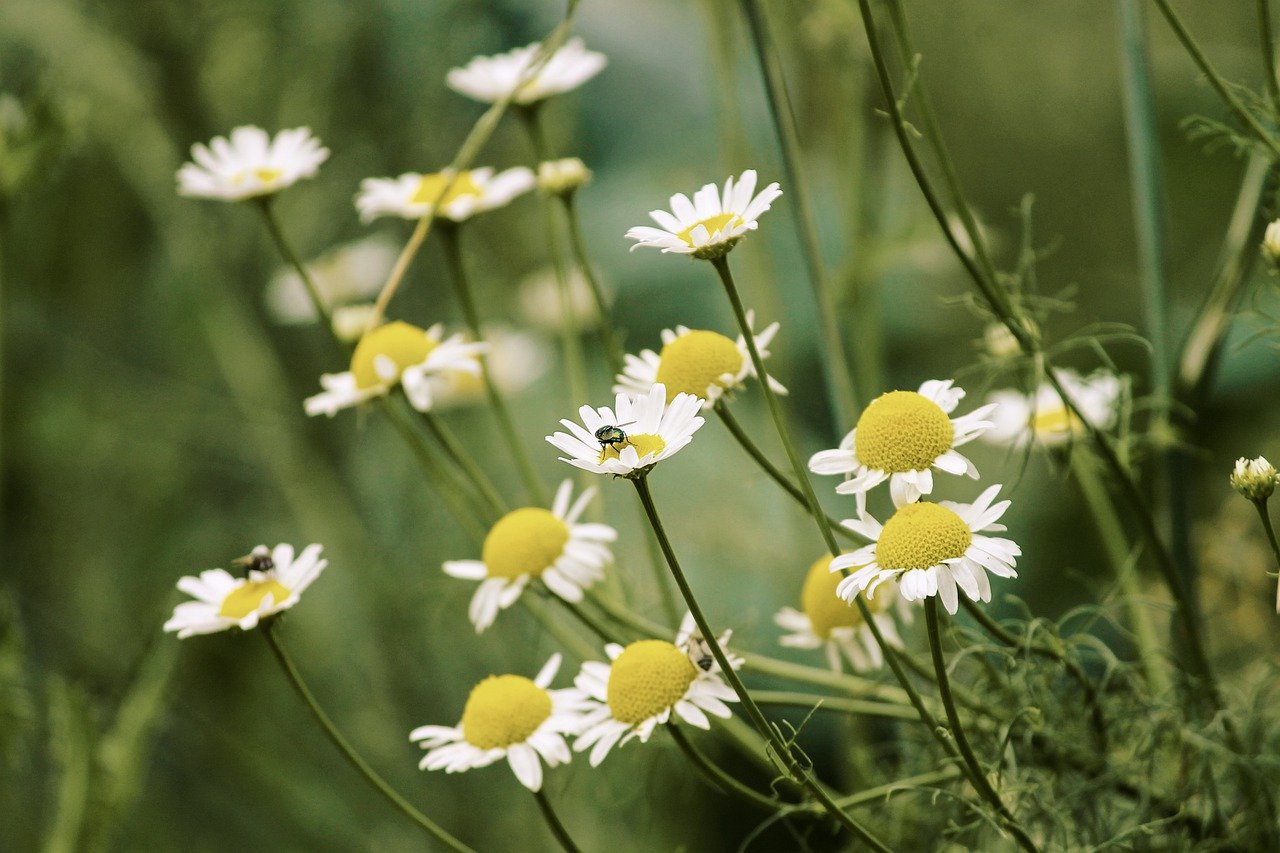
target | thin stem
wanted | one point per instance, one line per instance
(736, 430)
(1215, 79)
(836, 704)
(1261, 507)
(719, 777)
(506, 424)
(781, 749)
(977, 776)
(870, 795)
(1267, 41)
(553, 823)
(362, 766)
(834, 361)
(464, 460)
(613, 349)
(266, 204)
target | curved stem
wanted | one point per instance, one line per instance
(266, 204)
(977, 776)
(464, 460)
(613, 349)
(353, 757)
(1261, 507)
(836, 704)
(1267, 41)
(834, 360)
(872, 794)
(719, 777)
(506, 424)
(554, 824)
(781, 749)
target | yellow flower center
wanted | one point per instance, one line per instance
(644, 445)
(524, 542)
(1055, 422)
(921, 535)
(646, 679)
(403, 344)
(504, 710)
(246, 598)
(430, 186)
(695, 361)
(902, 431)
(268, 176)
(719, 222)
(825, 609)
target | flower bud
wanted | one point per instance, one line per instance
(1271, 242)
(1254, 478)
(562, 176)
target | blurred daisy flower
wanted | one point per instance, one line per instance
(530, 543)
(540, 303)
(1044, 417)
(396, 354)
(628, 440)
(561, 177)
(492, 78)
(828, 622)
(931, 549)
(516, 360)
(276, 578)
(643, 684)
(900, 437)
(698, 362)
(411, 195)
(711, 224)
(344, 277)
(511, 717)
(250, 164)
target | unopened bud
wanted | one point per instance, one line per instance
(1271, 242)
(1254, 478)
(562, 176)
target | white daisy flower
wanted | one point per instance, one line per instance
(507, 716)
(1019, 418)
(532, 542)
(930, 549)
(562, 176)
(628, 440)
(901, 437)
(250, 164)
(829, 622)
(353, 273)
(541, 305)
(275, 581)
(712, 223)
(516, 360)
(492, 78)
(641, 686)
(396, 354)
(698, 362)
(411, 195)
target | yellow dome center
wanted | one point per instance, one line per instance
(524, 542)
(825, 609)
(646, 679)
(921, 535)
(695, 361)
(245, 599)
(902, 431)
(430, 186)
(644, 445)
(403, 344)
(504, 710)
(1055, 422)
(719, 222)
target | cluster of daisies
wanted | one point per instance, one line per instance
(925, 548)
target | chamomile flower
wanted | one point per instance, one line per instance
(562, 177)
(516, 360)
(931, 549)
(835, 625)
(276, 579)
(1044, 417)
(344, 276)
(540, 301)
(411, 195)
(642, 685)
(901, 437)
(642, 431)
(507, 716)
(491, 78)
(396, 354)
(711, 224)
(698, 362)
(534, 543)
(250, 164)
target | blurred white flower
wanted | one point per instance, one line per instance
(491, 78)
(1271, 242)
(250, 164)
(516, 360)
(354, 272)
(562, 176)
(539, 297)
(1018, 418)
(411, 195)
(711, 224)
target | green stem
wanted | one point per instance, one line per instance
(1261, 507)
(554, 824)
(719, 777)
(834, 360)
(835, 704)
(266, 204)
(736, 430)
(870, 795)
(613, 350)
(1267, 41)
(362, 766)
(1215, 79)
(781, 749)
(506, 424)
(977, 776)
(464, 460)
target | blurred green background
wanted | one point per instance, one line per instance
(152, 423)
